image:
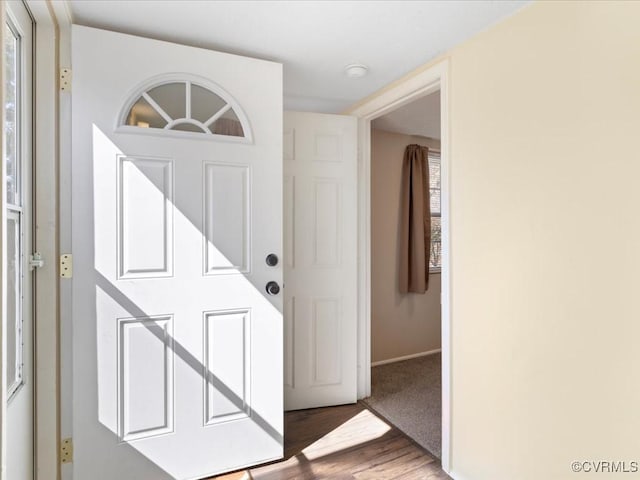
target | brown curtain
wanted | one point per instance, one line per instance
(415, 218)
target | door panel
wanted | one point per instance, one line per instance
(320, 164)
(228, 357)
(145, 376)
(226, 218)
(145, 217)
(177, 345)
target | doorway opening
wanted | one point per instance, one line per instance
(406, 339)
(415, 85)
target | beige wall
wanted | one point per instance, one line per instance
(545, 227)
(400, 324)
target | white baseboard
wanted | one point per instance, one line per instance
(406, 357)
(456, 476)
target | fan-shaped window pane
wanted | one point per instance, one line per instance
(204, 103)
(228, 124)
(171, 97)
(142, 114)
(188, 127)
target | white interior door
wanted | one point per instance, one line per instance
(177, 181)
(320, 188)
(18, 217)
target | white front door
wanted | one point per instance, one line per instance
(18, 316)
(177, 203)
(320, 188)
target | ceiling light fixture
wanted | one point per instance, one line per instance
(356, 70)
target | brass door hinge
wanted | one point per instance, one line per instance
(66, 265)
(65, 79)
(66, 451)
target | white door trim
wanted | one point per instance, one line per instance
(63, 21)
(411, 87)
(46, 318)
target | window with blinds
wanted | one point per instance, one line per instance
(435, 257)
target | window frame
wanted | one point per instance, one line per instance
(164, 79)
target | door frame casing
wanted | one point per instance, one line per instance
(424, 81)
(46, 234)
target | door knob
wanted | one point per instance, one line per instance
(272, 288)
(272, 260)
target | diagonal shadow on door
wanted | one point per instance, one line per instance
(125, 302)
(118, 293)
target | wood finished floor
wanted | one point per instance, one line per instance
(345, 443)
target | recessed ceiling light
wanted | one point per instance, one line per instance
(356, 70)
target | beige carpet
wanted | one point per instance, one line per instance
(408, 394)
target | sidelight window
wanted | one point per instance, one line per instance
(12, 158)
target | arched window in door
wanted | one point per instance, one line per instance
(196, 107)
